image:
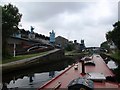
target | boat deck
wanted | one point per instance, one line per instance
(70, 73)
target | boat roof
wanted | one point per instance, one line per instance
(100, 70)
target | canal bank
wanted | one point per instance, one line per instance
(116, 71)
(104, 55)
(51, 56)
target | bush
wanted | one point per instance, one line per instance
(69, 47)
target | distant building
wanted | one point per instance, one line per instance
(70, 42)
(24, 33)
(18, 34)
(24, 39)
(32, 34)
(61, 41)
(76, 45)
(82, 42)
(82, 45)
(52, 37)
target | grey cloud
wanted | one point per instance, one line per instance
(119, 10)
(112, 18)
(71, 20)
(40, 11)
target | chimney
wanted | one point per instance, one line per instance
(83, 68)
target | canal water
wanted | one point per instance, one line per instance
(35, 76)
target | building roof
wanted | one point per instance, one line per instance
(61, 37)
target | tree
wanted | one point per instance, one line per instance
(69, 47)
(105, 45)
(10, 20)
(114, 35)
(108, 36)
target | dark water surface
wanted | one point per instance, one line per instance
(35, 76)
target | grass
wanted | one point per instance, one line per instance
(74, 53)
(20, 57)
(69, 52)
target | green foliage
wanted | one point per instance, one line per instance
(117, 73)
(10, 20)
(114, 35)
(69, 47)
(105, 45)
(116, 55)
(108, 36)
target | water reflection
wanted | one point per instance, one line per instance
(52, 74)
(31, 76)
(35, 76)
(4, 86)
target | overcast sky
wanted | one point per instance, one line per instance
(72, 20)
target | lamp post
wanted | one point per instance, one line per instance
(14, 49)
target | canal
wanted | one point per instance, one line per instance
(35, 76)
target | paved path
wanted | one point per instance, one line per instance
(27, 59)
